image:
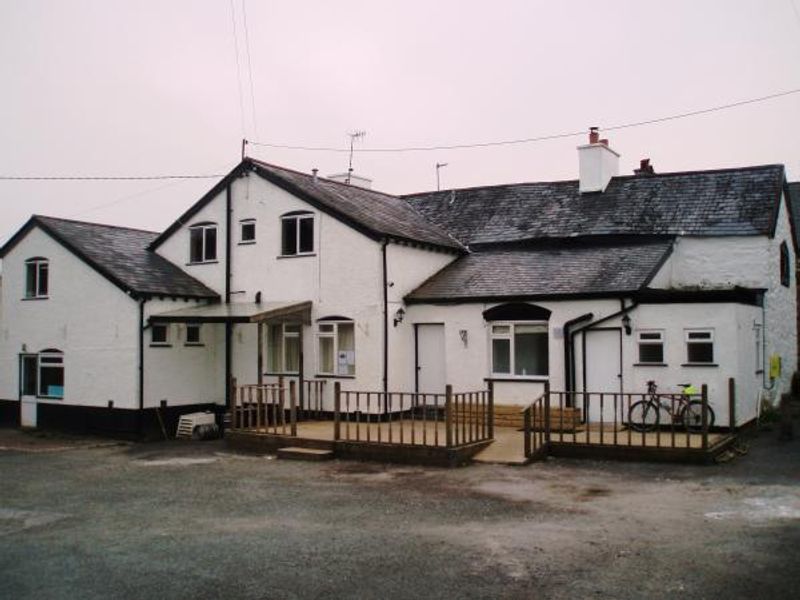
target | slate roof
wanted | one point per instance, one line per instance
(119, 254)
(557, 269)
(739, 201)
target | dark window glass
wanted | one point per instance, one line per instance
(530, 350)
(307, 235)
(51, 376)
(211, 243)
(501, 356)
(289, 236)
(196, 245)
(651, 353)
(248, 231)
(700, 352)
(43, 277)
(786, 275)
(158, 334)
(193, 334)
(29, 366)
(30, 280)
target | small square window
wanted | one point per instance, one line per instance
(651, 347)
(193, 334)
(700, 346)
(158, 334)
(248, 231)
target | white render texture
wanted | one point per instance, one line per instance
(597, 164)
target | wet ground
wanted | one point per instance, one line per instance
(92, 519)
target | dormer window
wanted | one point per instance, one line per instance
(36, 277)
(247, 231)
(297, 233)
(203, 243)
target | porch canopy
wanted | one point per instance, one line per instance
(239, 312)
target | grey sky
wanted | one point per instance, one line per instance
(116, 87)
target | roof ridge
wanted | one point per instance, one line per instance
(63, 220)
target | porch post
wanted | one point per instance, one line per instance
(260, 352)
(337, 408)
(732, 404)
(292, 408)
(300, 379)
(704, 413)
(448, 415)
(490, 428)
(546, 412)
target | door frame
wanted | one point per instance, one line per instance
(416, 350)
(583, 355)
(21, 382)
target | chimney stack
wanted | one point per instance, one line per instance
(645, 168)
(598, 163)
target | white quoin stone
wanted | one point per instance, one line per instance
(597, 165)
(356, 180)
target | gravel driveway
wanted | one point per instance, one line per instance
(191, 520)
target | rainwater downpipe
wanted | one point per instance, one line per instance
(568, 350)
(142, 327)
(385, 323)
(228, 325)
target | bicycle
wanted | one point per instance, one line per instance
(645, 415)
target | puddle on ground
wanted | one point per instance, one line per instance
(761, 509)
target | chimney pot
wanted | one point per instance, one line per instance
(314, 174)
(594, 136)
(604, 141)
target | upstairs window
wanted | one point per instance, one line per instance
(193, 335)
(520, 349)
(283, 347)
(786, 267)
(203, 243)
(159, 335)
(700, 346)
(51, 374)
(247, 231)
(336, 343)
(297, 233)
(36, 277)
(651, 347)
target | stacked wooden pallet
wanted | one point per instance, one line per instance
(561, 419)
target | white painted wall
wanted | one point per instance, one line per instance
(597, 164)
(87, 317)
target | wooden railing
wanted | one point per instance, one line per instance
(537, 438)
(448, 420)
(264, 408)
(313, 400)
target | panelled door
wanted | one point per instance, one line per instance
(603, 367)
(27, 389)
(431, 372)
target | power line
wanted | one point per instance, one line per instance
(238, 68)
(124, 198)
(103, 177)
(538, 138)
(249, 67)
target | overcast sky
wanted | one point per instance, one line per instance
(124, 87)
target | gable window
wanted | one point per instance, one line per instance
(247, 231)
(159, 335)
(336, 348)
(651, 347)
(51, 374)
(520, 349)
(193, 335)
(786, 267)
(700, 346)
(283, 348)
(203, 243)
(37, 272)
(297, 233)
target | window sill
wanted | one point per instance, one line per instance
(49, 397)
(202, 262)
(296, 255)
(161, 345)
(194, 344)
(699, 365)
(28, 298)
(653, 364)
(324, 376)
(248, 243)
(519, 379)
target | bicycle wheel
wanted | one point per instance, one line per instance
(692, 416)
(643, 416)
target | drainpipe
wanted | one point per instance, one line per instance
(228, 326)
(568, 341)
(385, 323)
(140, 412)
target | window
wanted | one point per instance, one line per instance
(159, 335)
(203, 243)
(297, 234)
(786, 267)
(247, 231)
(700, 346)
(36, 277)
(336, 342)
(51, 374)
(520, 349)
(651, 347)
(283, 347)
(193, 335)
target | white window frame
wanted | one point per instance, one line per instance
(38, 264)
(709, 340)
(199, 329)
(58, 363)
(334, 334)
(510, 336)
(284, 336)
(650, 342)
(153, 327)
(242, 224)
(298, 217)
(204, 228)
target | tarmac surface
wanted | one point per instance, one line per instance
(88, 518)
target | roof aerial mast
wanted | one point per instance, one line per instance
(354, 135)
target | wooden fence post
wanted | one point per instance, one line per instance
(337, 410)
(490, 408)
(448, 415)
(704, 414)
(526, 415)
(732, 405)
(233, 402)
(546, 412)
(293, 407)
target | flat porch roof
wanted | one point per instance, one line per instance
(238, 312)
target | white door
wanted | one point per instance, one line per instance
(431, 374)
(603, 371)
(27, 390)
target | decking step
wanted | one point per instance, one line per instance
(296, 453)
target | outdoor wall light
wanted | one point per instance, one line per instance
(398, 316)
(626, 323)
(464, 335)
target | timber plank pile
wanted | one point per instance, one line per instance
(510, 415)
